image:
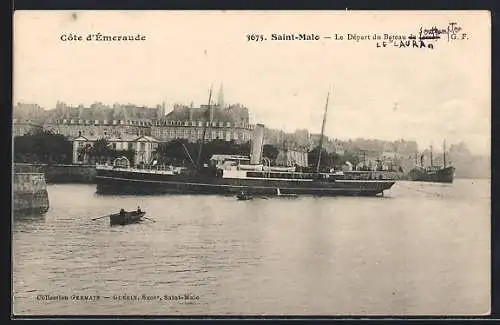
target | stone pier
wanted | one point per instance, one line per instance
(29, 192)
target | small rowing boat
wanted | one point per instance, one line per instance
(126, 217)
(243, 196)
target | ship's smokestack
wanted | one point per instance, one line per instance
(257, 144)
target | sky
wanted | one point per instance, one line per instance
(426, 95)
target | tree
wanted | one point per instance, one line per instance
(101, 150)
(174, 151)
(352, 158)
(270, 152)
(326, 158)
(44, 147)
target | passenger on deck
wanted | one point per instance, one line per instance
(139, 209)
(122, 211)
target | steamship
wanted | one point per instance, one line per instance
(432, 173)
(229, 175)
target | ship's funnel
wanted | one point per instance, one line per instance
(257, 143)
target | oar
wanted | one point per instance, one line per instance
(149, 219)
(100, 217)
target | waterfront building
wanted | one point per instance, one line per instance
(392, 155)
(98, 128)
(100, 111)
(330, 145)
(292, 156)
(230, 123)
(143, 147)
(102, 120)
(24, 127)
(30, 112)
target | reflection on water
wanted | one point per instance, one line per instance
(28, 217)
(422, 249)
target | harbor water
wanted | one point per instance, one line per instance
(422, 249)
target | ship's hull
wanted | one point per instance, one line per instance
(444, 175)
(133, 182)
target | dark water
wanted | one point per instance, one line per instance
(423, 249)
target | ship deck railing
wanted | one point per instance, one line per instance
(347, 175)
(160, 170)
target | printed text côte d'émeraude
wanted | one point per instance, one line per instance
(99, 37)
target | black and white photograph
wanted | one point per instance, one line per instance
(251, 163)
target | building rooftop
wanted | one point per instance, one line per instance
(101, 112)
(233, 114)
(124, 138)
(146, 138)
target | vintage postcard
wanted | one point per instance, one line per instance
(331, 163)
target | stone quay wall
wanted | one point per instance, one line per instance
(57, 174)
(70, 174)
(29, 192)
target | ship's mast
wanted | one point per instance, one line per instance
(204, 128)
(431, 155)
(444, 154)
(322, 132)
